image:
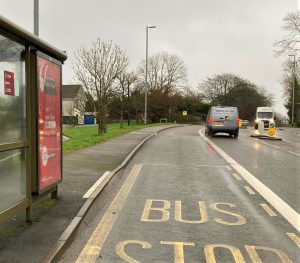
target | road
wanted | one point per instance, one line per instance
(188, 198)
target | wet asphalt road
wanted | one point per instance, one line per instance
(182, 202)
(275, 163)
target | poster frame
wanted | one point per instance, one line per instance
(53, 185)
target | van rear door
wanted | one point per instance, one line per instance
(224, 116)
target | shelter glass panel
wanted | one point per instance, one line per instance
(12, 177)
(12, 91)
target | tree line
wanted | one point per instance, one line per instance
(115, 93)
(288, 47)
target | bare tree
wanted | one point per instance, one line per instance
(216, 88)
(291, 26)
(289, 81)
(130, 79)
(232, 90)
(137, 97)
(125, 80)
(166, 77)
(166, 72)
(289, 45)
(97, 69)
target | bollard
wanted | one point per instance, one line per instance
(271, 129)
(260, 127)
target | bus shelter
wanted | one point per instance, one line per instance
(30, 118)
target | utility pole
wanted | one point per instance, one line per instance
(128, 105)
(36, 17)
(146, 88)
(293, 92)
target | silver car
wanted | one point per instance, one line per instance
(222, 119)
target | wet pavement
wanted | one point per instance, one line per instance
(22, 242)
(183, 202)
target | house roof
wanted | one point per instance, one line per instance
(70, 91)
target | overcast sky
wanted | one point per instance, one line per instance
(211, 36)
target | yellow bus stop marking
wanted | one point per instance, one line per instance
(268, 209)
(93, 247)
(294, 238)
(237, 177)
(249, 190)
(178, 249)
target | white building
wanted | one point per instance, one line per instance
(73, 100)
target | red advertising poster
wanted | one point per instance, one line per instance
(9, 85)
(49, 123)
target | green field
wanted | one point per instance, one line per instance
(81, 137)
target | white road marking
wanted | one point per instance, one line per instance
(297, 154)
(197, 165)
(215, 166)
(95, 185)
(157, 164)
(265, 143)
(281, 206)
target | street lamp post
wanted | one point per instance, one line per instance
(293, 92)
(146, 88)
(36, 17)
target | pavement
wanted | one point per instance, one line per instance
(31, 242)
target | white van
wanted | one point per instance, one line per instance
(265, 114)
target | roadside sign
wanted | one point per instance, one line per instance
(9, 86)
(184, 113)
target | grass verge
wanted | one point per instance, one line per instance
(85, 136)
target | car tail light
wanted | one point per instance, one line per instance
(237, 121)
(210, 121)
